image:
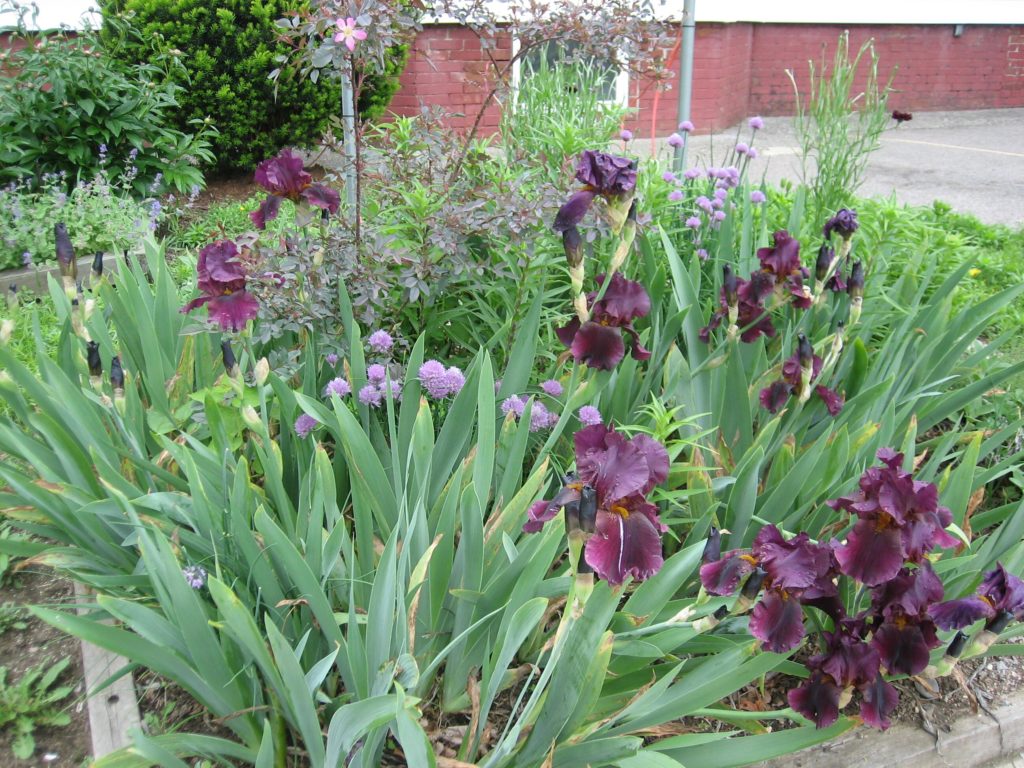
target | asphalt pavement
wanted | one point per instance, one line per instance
(973, 160)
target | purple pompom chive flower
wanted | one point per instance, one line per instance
(222, 284)
(686, 126)
(721, 193)
(752, 153)
(338, 386)
(371, 395)
(284, 177)
(331, 358)
(589, 416)
(552, 387)
(669, 177)
(376, 373)
(702, 254)
(675, 140)
(619, 472)
(626, 135)
(601, 174)
(704, 203)
(598, 343)
(756, 123)
(718, 216)
(742, 148)
(692, 173)
(540, 417)
(898, 519)
(433, 376)
(195, 576)
(675, 195)
(304, 425)
(757, 197)
(514, 405)
(380, 342)
(455, 380)
(693, 222)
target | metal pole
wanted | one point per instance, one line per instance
(685, 77)
(348, 120)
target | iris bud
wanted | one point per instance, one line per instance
(730, 286)
(92, 357)
(230, 363)
(97, 265)
(572, 242)
(824, 261)
(261, 371)
(856, 283)
(116, 374)
(712, 547)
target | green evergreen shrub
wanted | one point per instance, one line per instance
(228, 48)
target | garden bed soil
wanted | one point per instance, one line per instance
(20, 649)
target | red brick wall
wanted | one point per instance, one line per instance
(740, 70)
(448, 66)
(935, 70)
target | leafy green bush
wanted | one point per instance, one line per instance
(94, 110)
(31, 702)
(227, 50)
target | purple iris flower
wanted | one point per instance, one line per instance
(844, 224)
(775, 396)
(598, 343)
(627, 537)
(792, 570)
(898, 519)
(284, 177)
(222, 283)
(601, 174)
(1000, 591)
(748, 301)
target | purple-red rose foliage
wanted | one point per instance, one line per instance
(222, 284)
(598, 343)
(626, 541)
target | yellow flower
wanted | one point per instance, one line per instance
(974, 272)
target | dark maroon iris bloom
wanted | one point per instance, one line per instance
(222, 283)
(817, 699)
(847, 659)
(999, 591)
(284, 177)
(899, 519)
(598, 343)
(783, 257)
(751, 315)
(878, 701)
(792, 569)
(904, 644)
(844, 224)
(775, 396)
(622, 471)
(901, 117)
(609, 176)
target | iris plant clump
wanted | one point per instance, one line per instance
(891, 626)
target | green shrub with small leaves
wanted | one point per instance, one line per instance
(228, 49)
